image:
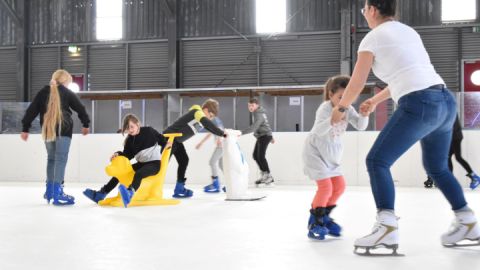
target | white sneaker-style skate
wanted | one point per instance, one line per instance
(384, 235)
(464, 231)
(265, 181)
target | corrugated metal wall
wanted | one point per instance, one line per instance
(61, 21)
(43, 62)
(200, 18)
(7, 27)
(470, 44)
(145, 19)
(148, 66)
(300, 60)
(107, 67)
(8, 74)
(217, 63)
(313, 15)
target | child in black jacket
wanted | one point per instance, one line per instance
(143, 144)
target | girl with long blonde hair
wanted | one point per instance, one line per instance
(54, 103)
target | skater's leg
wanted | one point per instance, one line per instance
(457, 151)
(338, 187)
(143, 171)
(182, 159)
(62, 147)
(264, 142)
(215, 166)
(323, 194)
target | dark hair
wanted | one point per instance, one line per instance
(211, 105)
(387, 8)
(253, 101)
(334, 84)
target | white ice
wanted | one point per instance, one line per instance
(206, 232)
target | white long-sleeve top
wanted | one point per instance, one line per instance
(323, 148)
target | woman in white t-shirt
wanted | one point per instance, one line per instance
(426, 112)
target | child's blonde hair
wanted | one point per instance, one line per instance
(53, 116)
(334, 84)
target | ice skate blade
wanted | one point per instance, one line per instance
(263, 185)
(463, 243)
(367, 252)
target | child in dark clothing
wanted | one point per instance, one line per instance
(142, 143)
(189, 124)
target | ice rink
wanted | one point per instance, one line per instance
(206, 232)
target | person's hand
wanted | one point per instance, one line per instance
(114, 156)
(219, 142)
(273, 140)
(337, 116)
(367, 107)
(85, 131)
(168, 145)
(24, 136)
(198, 145)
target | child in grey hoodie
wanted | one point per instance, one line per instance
(263, 132)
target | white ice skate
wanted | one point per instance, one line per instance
(464, 231)
(265, 181)
(384, 235)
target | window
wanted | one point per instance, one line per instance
(109, 19)
(271, 16)
(455, 10)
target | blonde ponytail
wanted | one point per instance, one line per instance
(53, 117)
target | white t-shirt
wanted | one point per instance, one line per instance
(400, 60)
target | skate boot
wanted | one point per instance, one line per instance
(260, 180)
(266, 180)
(464, 231)
(214, 187)
(126, 194)
(475, 180)
(93, 195)
(333, 228)
(384, 234)
(316, 224)
(59, 197)
(428, 183)
(48, 192)
(182, 192)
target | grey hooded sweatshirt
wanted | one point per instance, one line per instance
(260, 125)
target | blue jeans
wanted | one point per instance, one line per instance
(426, 116)
(57, 152)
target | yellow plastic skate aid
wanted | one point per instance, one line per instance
(151, 189)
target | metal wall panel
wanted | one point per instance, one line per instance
(313, 15)
(107, 68)
(470, 44)
(148, 65)
(442, 46)
(44, 61)
(74, 62)
(200, 18)
(61, 21)
(8, 75)
(7, 27)
(145, 19)
(297, 60)
(215, 63)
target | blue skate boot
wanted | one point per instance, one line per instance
(475, 180)
(126, 194)
(333, 228)
(59, 197)
(214, 187)
(48, 192)
(94, 195)
(182, 192)
(316, 226)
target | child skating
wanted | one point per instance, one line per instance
(263, 133)
(215, 160)
(143, 144)
(322, 154)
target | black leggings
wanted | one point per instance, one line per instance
(180, 153)
(456, 149)
(142, 170)
(259, 152)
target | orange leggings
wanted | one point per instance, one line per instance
(328, 191)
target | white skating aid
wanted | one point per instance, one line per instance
(464, 231)
(235, 168)
(384, 235)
